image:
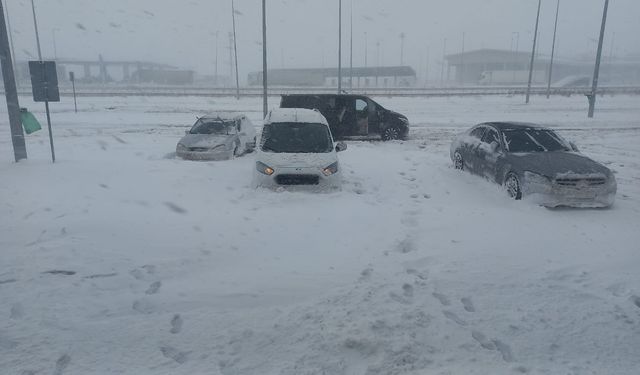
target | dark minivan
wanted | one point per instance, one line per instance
(352, 116)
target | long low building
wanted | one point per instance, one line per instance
(380, 76)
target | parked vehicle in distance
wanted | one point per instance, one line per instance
(297, 149)
(218, 136)
(354, 117)
(534, 162)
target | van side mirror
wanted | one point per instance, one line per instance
(574, 147)
(341, 146)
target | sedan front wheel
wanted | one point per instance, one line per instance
(458, 163)
(513, 187)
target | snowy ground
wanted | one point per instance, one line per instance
(179, 267)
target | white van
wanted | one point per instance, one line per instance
(296, 149)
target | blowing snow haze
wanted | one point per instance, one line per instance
(304, 33)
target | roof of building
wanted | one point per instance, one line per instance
(370, 71)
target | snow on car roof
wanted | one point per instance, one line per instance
(295, 115)
(223, 115)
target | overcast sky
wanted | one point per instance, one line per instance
(303, 33)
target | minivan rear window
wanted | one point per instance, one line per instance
(296, 137)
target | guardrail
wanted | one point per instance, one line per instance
(112, 90)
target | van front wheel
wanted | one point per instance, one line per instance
(390, 134)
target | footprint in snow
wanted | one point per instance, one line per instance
(154, 287)
(505, 350)
(468, 304)
(482, 340)
(176, 324)
(173, 353)
(452, 316)
(143, 306)
(61, 364)
(444, 301)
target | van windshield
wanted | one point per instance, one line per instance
(295, 137)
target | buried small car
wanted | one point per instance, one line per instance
(534, 162)
(296, 148)
(218, 136)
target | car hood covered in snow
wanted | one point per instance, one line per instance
(205, 140)
(551, 164)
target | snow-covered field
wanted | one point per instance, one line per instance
(120, 259)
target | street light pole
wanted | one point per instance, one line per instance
(235, 49)
(402, 36)
(533, 53)
(553, 49)
(596, 71)
(264, 59)
(339, 46)
(444, 53)
(11, 93)
(462, 60)
(351, 49)
(10, 33)
(215, 72)
(35, 25)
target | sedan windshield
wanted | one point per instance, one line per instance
(533, 140)
(290, 137)
(203, 126)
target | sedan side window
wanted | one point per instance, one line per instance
(491, 136)
(477, 132)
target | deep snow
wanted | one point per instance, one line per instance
(180, 267)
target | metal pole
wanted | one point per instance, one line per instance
(55, 48)
(35, 25)
(339, 46)
(596, 71)
(553, 50)
(53, 153)
(75, 103)
(351, 49)
(235, 49)
(215, 74)
(11, 92)
(426, 69)
(515, 56)
(264, 59)
(533, 53)
(402, 35)
(10, 33)
(444, 53)
(462, 61)
(366, 49)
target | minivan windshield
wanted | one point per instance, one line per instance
(533, 140)
(294, 137)
(207, 126)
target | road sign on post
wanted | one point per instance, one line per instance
(44, 84)
(44, 81)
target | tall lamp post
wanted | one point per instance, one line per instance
(553, 50)
(264, 59)
(596, 71)
(533, 53)
(339, 46)
(235, 49)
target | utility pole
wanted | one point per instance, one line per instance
(426, 69)
(444, 53)
(11, 92)
(339, 46)
(230, 58)
(55, 48)
(215, 72)
(235, 49)
(596, 71)
(533, 53)
(35, 25)
(351, 49)
(264, 59)
(366, 49)
(515, 56)
(10, 33)
(553, 49)
(462, 60)
(402, 36)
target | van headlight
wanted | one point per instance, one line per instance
(181, 148)
(264, 169)
(332, 169)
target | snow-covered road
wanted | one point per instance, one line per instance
(122, 259)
